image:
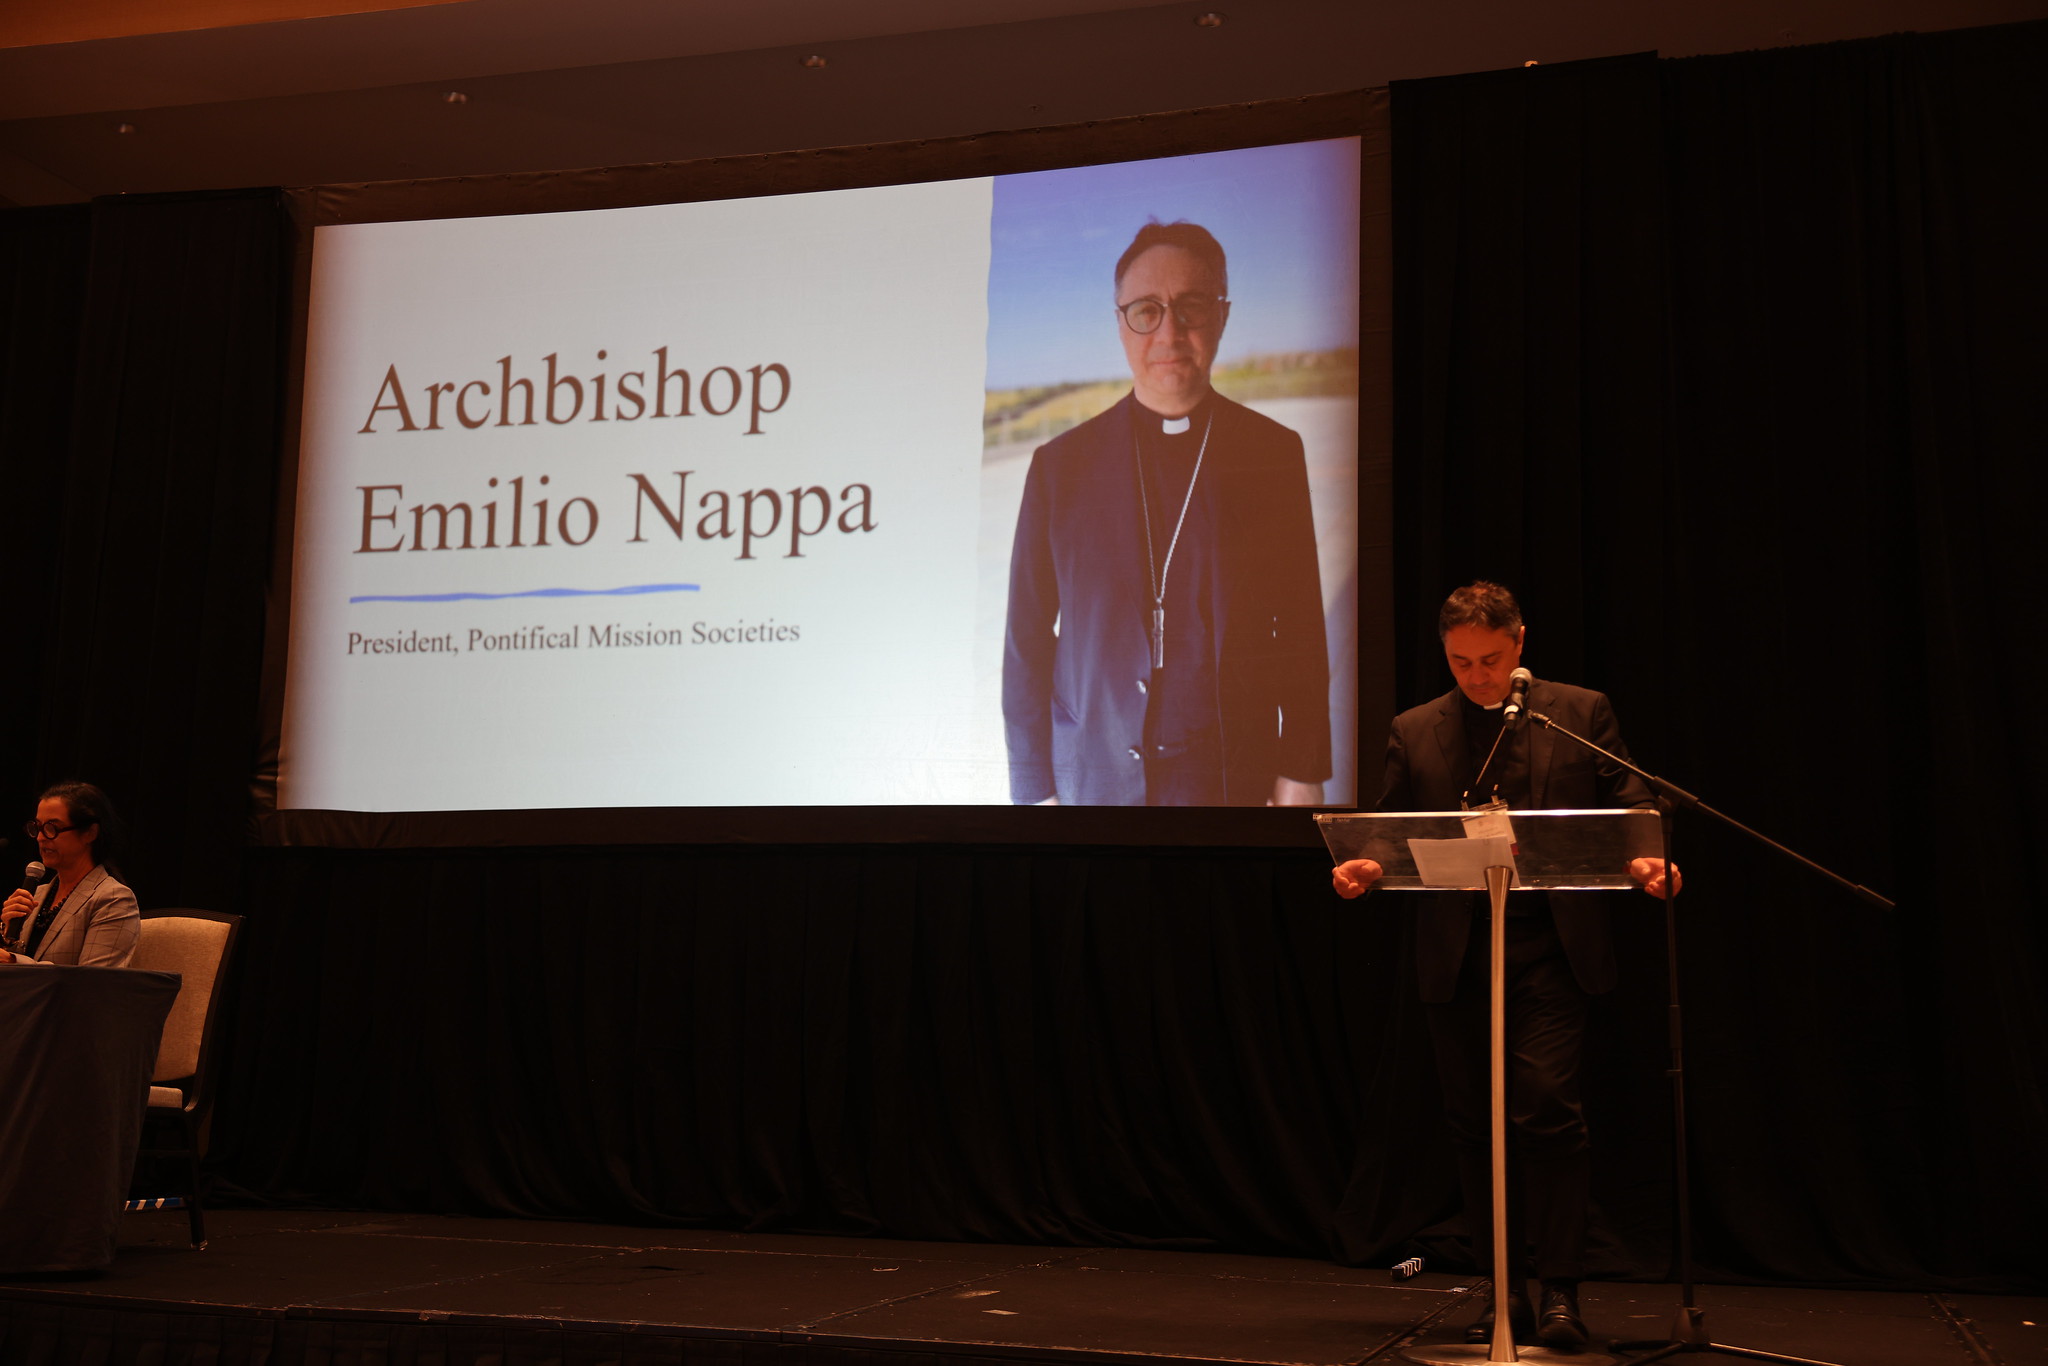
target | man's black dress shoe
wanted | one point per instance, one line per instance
(1520, 1318)
(1560, 1326)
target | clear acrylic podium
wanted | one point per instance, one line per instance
(1543, 849)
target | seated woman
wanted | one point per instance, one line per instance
(84, 914)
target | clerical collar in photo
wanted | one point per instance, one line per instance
(1150, 421)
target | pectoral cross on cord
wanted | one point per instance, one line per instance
(1154, 569)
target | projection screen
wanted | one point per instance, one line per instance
(843, 498)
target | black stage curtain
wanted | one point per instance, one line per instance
(42, 294)
(1795, 292)
(1742, 354)
(140, 400)
(1165, 1049)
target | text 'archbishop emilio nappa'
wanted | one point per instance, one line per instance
(750, 515)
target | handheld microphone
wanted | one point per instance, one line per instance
(1518, 697)
(31, 878)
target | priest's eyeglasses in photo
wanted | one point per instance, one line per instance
(1191, 311)
(45, 830)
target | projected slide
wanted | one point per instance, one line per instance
(1018, 489)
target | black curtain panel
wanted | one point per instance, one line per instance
(1731, 365)
(149, 666)
(1856, 306)
(42, 291)
(1129, 1047)
(1529, 324)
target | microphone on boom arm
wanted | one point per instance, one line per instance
(1518, 698)
(1510, 716)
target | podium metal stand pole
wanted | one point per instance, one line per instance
(1502, 1349)
(1497, 935)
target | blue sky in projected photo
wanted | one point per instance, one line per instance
(1287, 218)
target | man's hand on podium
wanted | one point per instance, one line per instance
(1354, 877)
(1649, 875)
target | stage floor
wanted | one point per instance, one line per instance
(295, 1287)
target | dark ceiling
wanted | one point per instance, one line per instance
(545, 84)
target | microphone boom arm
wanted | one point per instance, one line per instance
(1691, 802)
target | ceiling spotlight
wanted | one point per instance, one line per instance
(124, 127)
(455, 97)
(1209, 19)
(814, 61)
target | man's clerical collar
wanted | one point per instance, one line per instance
(1174, 426)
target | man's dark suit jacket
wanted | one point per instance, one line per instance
(1077, 651)
(1427, 758)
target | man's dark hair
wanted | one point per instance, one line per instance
(1191, 237)
(1479, 604)
(87, 806)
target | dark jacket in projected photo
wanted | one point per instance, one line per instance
(1244, 617)
(1429, 760)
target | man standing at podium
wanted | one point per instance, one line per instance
(1558, 948)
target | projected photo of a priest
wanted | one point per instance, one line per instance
(1164, 642)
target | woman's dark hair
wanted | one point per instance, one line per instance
(88, 806)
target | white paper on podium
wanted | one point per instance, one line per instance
(1461, 863)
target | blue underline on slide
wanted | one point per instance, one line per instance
(629, 591)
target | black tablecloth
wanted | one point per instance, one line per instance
(77, 1046)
